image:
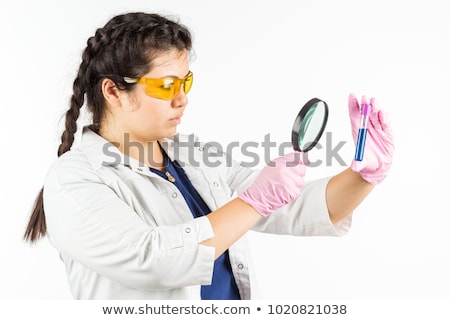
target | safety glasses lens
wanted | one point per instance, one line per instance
(169, 88)
(188, 83)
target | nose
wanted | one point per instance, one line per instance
(181, 100)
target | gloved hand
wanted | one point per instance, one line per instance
(379, 146)
(278, 183)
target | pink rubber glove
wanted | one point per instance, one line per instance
(278, 183)
(379, 142)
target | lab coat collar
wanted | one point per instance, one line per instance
(103, 153)
(99, 151)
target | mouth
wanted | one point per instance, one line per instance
(176, 119)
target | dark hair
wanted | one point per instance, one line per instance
(124, 47)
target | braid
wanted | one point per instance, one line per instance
(37, 226)
(76, 102)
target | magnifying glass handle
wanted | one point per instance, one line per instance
(362, 132)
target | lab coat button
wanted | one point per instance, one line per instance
(215, 184)
(187, 230)
(240, 266)
(201, 148)
(174, 195)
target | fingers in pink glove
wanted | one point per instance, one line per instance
(353, 105)
(375, 114)
(354, 113)
(289, 160)
(379, 119)
(380, 144)
(278, 183)
(365, 100)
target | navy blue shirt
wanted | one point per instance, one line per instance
(223, 286)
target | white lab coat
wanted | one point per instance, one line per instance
(125, 233)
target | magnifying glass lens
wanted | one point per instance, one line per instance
(309, 125)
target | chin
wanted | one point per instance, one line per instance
(172, 132)
(168, 134)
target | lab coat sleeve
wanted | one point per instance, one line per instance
(88, 222)
(306, 216)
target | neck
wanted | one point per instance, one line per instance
(147, 152)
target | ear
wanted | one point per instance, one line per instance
(111, 93)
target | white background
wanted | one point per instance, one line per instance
(256, 63)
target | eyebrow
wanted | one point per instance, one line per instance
(174, 76)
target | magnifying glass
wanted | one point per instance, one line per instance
(309, 125)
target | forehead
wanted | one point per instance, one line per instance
(170, 63)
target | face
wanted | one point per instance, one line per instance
(149, 119)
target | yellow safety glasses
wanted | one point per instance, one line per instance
(164, 88)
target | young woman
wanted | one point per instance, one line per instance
(135, 212)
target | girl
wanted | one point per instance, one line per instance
(133, 210)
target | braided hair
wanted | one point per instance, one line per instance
(124, 47)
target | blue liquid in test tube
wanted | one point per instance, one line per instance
(362, 132)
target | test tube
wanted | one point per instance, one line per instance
(362, 132)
